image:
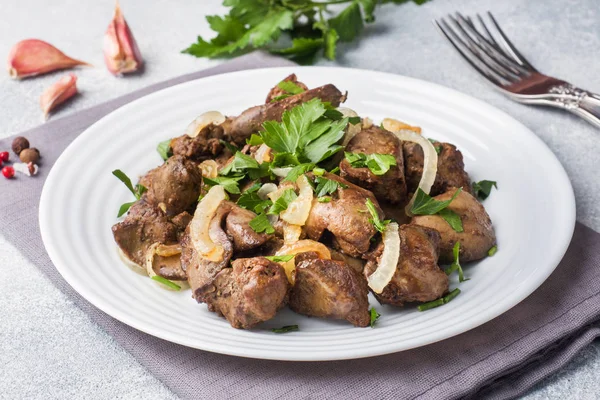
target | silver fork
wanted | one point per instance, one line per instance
(497, 59)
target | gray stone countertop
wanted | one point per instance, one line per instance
(50, 349)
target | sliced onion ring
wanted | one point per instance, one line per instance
(265, 190)
(263, 154)
(298, 210)
(199, 226)
(202, 121)
(209, 168)
(281, 172)
(301, 246)
(393, 125)
(430, 162)
(388, 262)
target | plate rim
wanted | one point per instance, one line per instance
(569, 217)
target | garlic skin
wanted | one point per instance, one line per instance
(32, 57)
(121, 53)
(58, 93)
(28, 169)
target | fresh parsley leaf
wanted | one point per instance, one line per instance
(375, 220)
(124, 208)
(138, 190)
(374, 316)
(125, 179)
(327, 186)
(290, 87)
(318, 171)
(298, 170)
(261, 223)
(326, 145)
(303, 50)
(250, 201)
(378, 164)
(234, 37)
(452, 218)
(166, 282)
(282, 203)
(285, 329)
(348, 23)
(493, 250)
(164, 149)
(482, 189)
(335, 171)
(230, 184)
(455, 266)
(284, 258)
(254, 140)
(427, 205)
(368, 8)
(439, 302)
(325, 199)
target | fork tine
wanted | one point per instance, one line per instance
(486, 72)
(499, 65)
(513, 50)
(492, 51)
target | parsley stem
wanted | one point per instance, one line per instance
(439, 302)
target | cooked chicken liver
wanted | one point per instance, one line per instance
(390, 187)
(450, 173)
(329, 289)
(478, 233)
(144, 225)
(345, 217)
(418, 276)
(250, 292)
(175, 185)
(238, 129)
(205, 146)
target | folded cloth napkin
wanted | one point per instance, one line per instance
(500, 359)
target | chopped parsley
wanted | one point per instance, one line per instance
(229, 146)
(284, 258)
(137, 190)
(427, 205)
(282, 203)
(290, 87)
(286, 329)
(230, 184)
(482, 189)
(327, 186)
(261, 223)
(377, 223)
(254, 140)
(378, 164)
(164, 149)
(437, 147)
(455, 266)
(324, 199)
(166, 282)
(298, 170)
(374, 316)
(439, 302)
(493, 250)
(250, 201)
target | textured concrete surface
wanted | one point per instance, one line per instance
(49, 348)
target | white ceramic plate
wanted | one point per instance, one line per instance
(533, 212)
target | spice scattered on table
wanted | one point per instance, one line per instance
(19, 144)
(30, 155)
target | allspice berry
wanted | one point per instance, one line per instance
(31, 155)
(20, 144)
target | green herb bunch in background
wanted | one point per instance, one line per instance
(311, 25)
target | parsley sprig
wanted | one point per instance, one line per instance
(378, 164)
(375, 220)
(138, 190)
(253, 24)
(427, 205)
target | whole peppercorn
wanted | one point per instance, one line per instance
(30, 155)
(20, 144)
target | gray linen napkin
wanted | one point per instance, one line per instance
(501, 359)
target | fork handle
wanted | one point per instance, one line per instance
(588, 108)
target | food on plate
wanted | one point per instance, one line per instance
(299, 202)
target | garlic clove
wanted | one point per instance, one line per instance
(121, 53)
(34, 57)
(58, 93)
(28, 169)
